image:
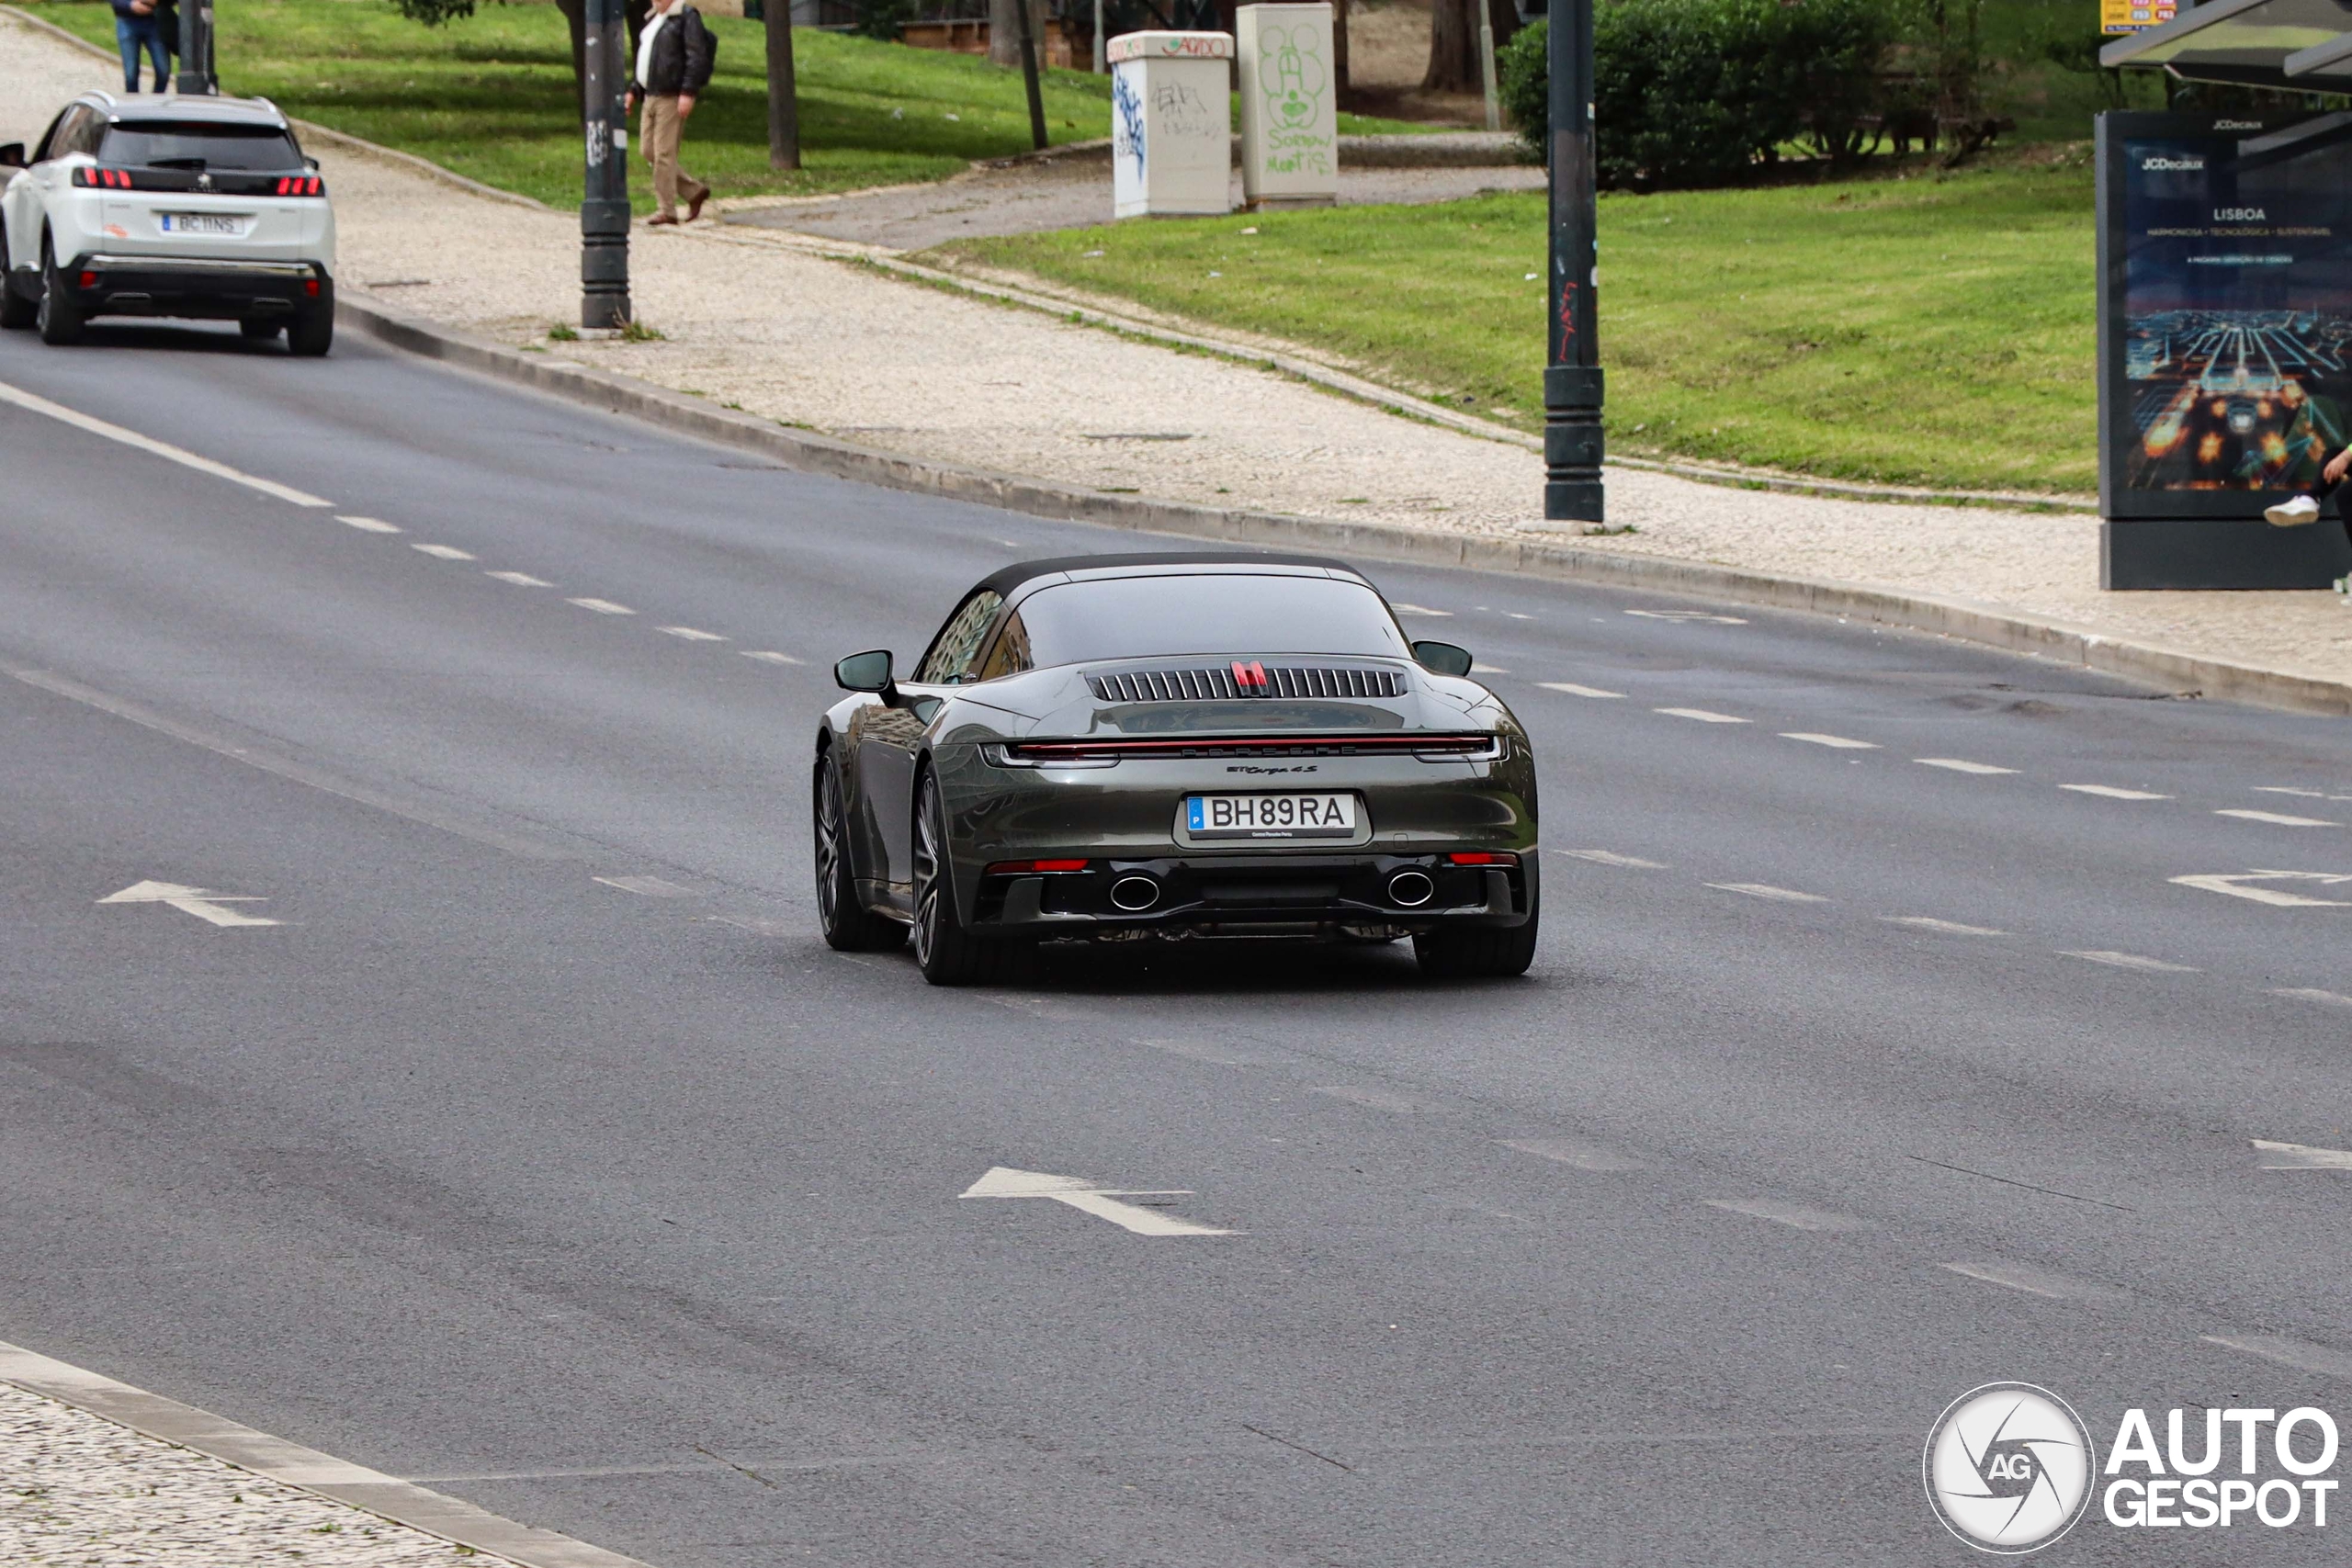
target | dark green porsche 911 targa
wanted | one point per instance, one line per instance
(1154, 747)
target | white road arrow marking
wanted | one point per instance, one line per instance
(2303, 1156)
(1004, 1181)
(189, 901)
(2237, 885)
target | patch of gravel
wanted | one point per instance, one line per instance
(77, 1491)
(749, 320)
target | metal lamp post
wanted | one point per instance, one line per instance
(1572, 370)
(603, 211)
(196, 51)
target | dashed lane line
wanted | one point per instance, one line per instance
(1961, 765)
(648, 887)
(769, 656)
(1374, 1098)
(520, 579)
(2035, 1281)
(2296, 1353)
(1573, 690)
(1766, 890)
(602, 607)
(2128, 961)
(368, 525)
(1423, 610)
(1838, 742)
(1949, 928)
(443, 552)
(165, 450)
(1702, 715)
(2312, 994)
(1610, 857)
(2111, 791)
(2275, 819)
(1793, 1215)
(1574, 1152)
(691, 634)
(2301, 1157)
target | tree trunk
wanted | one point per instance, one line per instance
(1339, 50)
(784, 96)
(1004, 32)
(1453, 47)
(1505, 16)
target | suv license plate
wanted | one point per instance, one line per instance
(1270, 815)
(202, 223)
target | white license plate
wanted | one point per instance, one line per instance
(1270, 815)
(202, 223)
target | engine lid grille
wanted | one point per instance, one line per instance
(1246, 679)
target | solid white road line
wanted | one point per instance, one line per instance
(2111, 793)
(2295, 1353)
(2034, 1282)
(520, 579)
(1949, 928)
(768, 656)
(443, 552)
(2312, 994)
(189, 901)
(1781, 1213)
(2303, 1156)
(691, 634)
(1004, 1181)
(2129, 961)
(1838, 742)
(179, 455)
(1959, 765)
(1572, 689)
(1609, 857)
(368, 525)
(1702, 715)
(1766, 890)
(650, 887)
(2275, 819)
(1573, 1151)
(602, 607)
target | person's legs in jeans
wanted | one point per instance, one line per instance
(127, 37)
(158, 54)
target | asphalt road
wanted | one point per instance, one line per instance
(1844, 1082)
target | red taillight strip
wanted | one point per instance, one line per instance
(1340, 745)
(1024, 867)
(1475, 857)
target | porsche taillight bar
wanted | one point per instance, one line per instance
(1257, 746)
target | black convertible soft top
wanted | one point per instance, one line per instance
(1006, 580)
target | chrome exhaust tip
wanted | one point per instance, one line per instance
(1135, 893)
(1411, 888)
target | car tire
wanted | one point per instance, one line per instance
(848, 925)
(58, 314)
(312, 332)
(259, 329)
(18, 309)
(1481, 953)
(948, 953)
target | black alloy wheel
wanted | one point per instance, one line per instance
(312, 332)
(1485, 953)
(18, 309)
(948, 953)
(59, 316)
(849, 926)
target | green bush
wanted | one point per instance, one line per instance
(1699, 92)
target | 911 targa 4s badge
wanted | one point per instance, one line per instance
(1157, 747)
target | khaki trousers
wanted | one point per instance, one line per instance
(658, 127)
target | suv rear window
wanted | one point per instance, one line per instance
(182, 144)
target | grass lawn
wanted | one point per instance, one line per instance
(490, 96)
(1936, 329)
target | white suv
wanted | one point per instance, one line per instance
(200, 207)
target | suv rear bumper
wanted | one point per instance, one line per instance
(206, 288)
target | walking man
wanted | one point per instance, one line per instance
(674, 60)
(139, 28)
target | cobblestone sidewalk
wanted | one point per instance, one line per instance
(79, 1492)
(750, 318)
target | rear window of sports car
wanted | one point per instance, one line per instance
(1142, 617)
(184, 144)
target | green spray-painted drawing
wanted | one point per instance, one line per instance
(1291, 82)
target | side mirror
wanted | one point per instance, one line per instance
(866, 672)
(1442, 658)
(12, 155)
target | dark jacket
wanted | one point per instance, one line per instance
(683, 50)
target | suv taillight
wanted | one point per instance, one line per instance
(92, 176)
(300, 185)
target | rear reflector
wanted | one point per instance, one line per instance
(311, 287)
(1024, 867)
(88, 280)
(1480, 859)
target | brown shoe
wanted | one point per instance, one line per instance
(661, 218)
(694, 208)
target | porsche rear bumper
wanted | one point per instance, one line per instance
(1333, 895)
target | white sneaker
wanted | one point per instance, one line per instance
(2293, 513)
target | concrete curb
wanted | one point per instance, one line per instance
(810, 452)
(387, 1496)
